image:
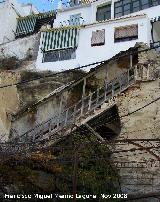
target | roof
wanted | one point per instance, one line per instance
(49, 13)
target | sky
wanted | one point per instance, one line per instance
(42, 5)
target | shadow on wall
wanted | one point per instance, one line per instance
(107, 124)
(11, 63)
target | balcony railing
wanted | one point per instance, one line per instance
(155, 45)
(73, 22)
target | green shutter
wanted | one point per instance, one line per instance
(60, 39)
(26, 25)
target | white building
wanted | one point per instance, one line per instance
(29, 9)
(10, 10)
(86, 32)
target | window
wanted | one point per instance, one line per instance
(74, 3)
(98, 38)
(103, 13)
(136, 6)
(125, 7)
(126, 33)
(75, 19)
(59, 55)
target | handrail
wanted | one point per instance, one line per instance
(88, 103)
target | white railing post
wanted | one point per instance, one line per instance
(131, 61)
(50, 126)
(148, 71)
(97, 96)
(120, 83)
(135, 70)
(128, 76)
(60, 110)
(90, 101)
(112, 88)
(105, 90)
(74, 112)
(66, 117)
(83, 95)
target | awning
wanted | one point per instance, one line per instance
(26, 25)
(60, 39)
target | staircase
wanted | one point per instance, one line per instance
(87, 108)
(83, 111)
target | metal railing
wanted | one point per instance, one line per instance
(155, 45)
(73, 22)
(82, 108)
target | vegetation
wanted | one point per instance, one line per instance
(78, 163)
(10, 63)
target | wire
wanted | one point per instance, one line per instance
(78, 68)
(98, 122)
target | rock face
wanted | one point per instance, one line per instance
(138, 158)
(136, 147)
(17, 99)
(140, 126)
(9, 101)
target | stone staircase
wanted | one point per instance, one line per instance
(87, 108)
(79, 114)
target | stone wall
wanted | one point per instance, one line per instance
(141, 124)
(9, 101)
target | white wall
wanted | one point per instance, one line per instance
(29, 9)
(85, 54)
(89, 12)
(9, 13)
(7, 23)
(65, 15)
(20, 47)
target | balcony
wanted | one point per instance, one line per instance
(72, 22)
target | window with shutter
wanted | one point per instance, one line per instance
(98, 38)
(126, 33)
